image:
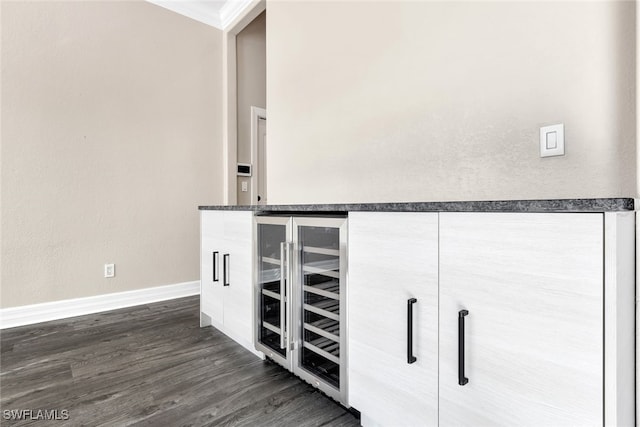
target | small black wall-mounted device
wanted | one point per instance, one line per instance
(244, 169)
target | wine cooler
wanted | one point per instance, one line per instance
(300, 297)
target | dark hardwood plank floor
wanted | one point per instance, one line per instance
(151, 365)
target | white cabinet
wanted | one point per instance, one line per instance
(226, 297)
(393, 259)
(211, 246)
(532, 285)
(521, 318)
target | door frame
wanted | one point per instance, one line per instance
(257, 113)
(230, 98)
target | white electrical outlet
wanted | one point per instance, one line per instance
(109, 270)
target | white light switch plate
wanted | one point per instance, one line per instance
(109, 270)
(552, 140)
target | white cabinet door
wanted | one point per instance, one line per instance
(393, 257)
(237, 285)
(211, 251)
(533, 338)
(226, 297)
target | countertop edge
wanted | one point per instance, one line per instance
(550, 205)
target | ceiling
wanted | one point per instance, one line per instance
(217, 13)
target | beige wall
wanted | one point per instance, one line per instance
(111, 137)
(252, 91)
(405, 101)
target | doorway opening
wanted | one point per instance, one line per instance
(244, 76)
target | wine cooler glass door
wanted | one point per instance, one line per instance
(272, 287)
(320, 315)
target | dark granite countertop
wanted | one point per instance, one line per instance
(553, 205)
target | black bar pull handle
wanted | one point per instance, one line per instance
(225, 271)
(462, 380)
(215, 266)
(410, 357)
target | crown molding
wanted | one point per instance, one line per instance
(231, 10)
(197, 10)
(205, 12)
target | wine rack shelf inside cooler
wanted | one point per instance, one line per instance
(271, 289)
(321, 251)
(272, 261)
(325, 327)
(321, 305)
(330, 289)
(321, 268)
(326, 348)
(271, 329)
(327, 308)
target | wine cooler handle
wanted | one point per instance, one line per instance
(462, 380)
(283, 306)
(410, 357)
(225, 269)
(215, 266)
(288, 247)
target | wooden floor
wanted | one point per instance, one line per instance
(151, 365)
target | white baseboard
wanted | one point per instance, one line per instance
(36, 313)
